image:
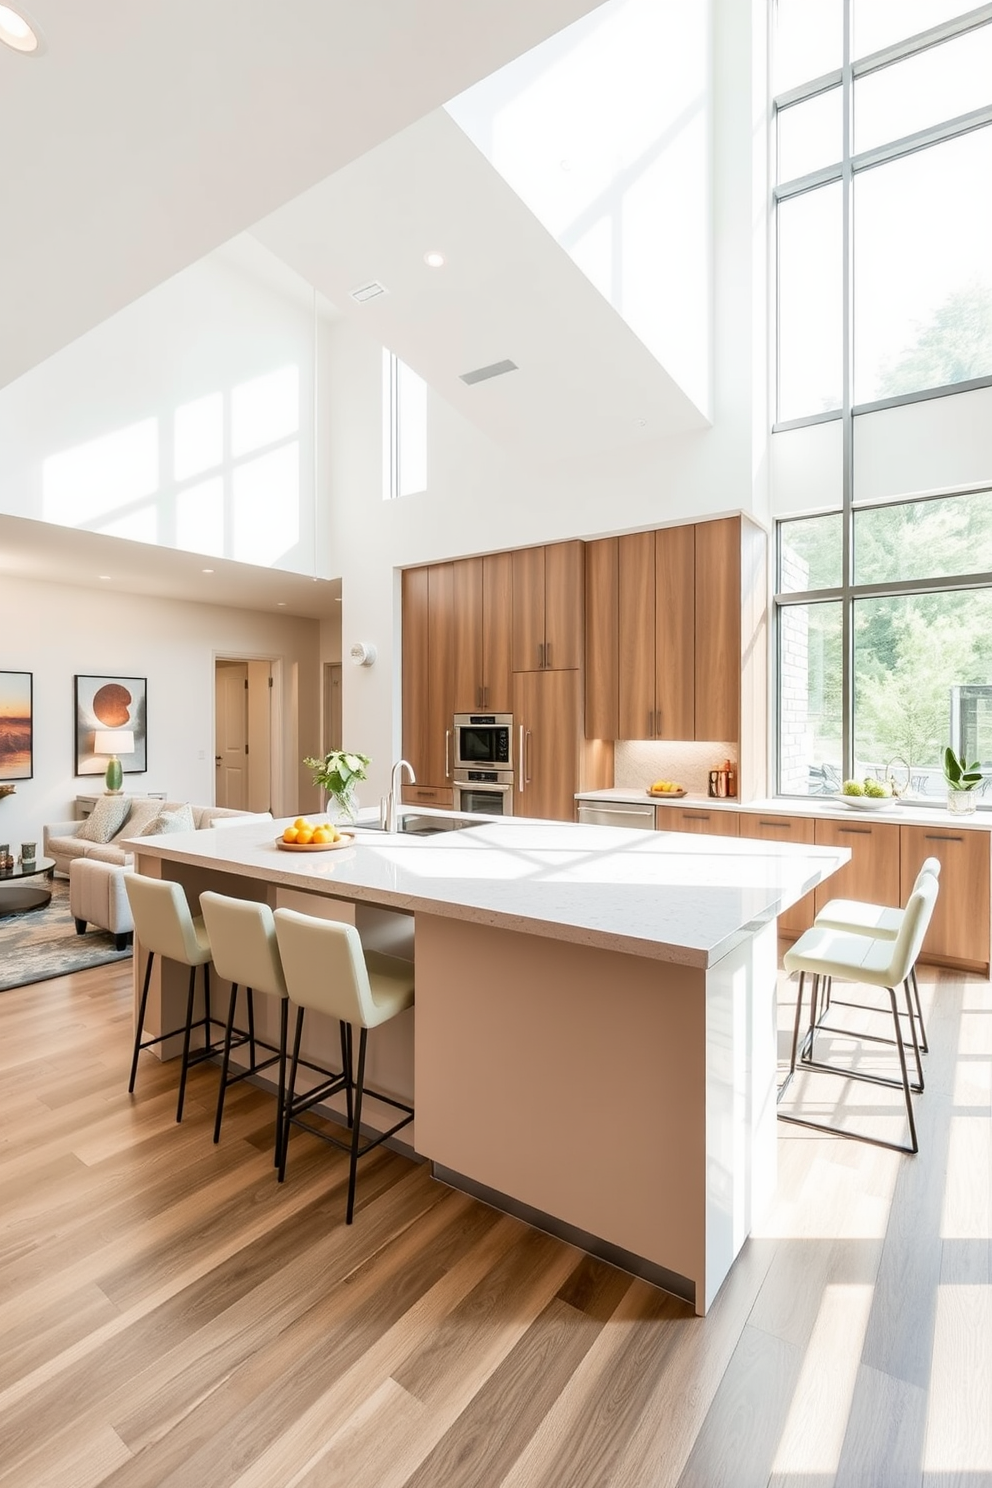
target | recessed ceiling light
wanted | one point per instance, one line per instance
(103, 576)
(434, 260)
(280, 604)
(640, 423)
(15, 31)
(206, 570)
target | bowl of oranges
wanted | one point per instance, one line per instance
(307, 836)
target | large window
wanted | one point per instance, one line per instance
(404, 400)
(883, 217)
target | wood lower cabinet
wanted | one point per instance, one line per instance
(960, 929)
(427, 795)
(547, 605)
(547, 717)
(696, 819)
(873, 872)
(769, 828)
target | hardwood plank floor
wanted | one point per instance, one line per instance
(170, 1316)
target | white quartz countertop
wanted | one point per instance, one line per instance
(669, 896)
(910, 813)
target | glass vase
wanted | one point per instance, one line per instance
(344, 806)
(961, 802)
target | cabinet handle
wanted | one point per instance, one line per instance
(855, 831)
(784, 826)
(530, 736)
(478, 697)
(657, 727)
(540, 656)
(650, 725)
(447, 754)
(941, 837)
(696, 815)
(520, 766)
(547, 653)
(485, 697)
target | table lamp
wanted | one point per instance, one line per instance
(114, 742)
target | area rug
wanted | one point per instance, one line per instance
(42, 943)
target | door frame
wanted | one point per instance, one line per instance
(277, 750)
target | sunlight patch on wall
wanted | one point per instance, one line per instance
(199, 436)
(200, 518)
(266, 506)
(100, 477)
(265, 410)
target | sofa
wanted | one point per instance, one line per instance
(96, 869)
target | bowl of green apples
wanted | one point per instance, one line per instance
(867, 795)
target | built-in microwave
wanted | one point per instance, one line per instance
(482, 791)
(483, 740)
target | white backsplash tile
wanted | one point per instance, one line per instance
(640, 761)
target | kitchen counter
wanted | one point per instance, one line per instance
(593, 1045)
(909, 813)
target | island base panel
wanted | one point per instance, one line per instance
(617, 1094)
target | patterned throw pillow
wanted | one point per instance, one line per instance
(178, 819)
(106, 819)
(141, 813)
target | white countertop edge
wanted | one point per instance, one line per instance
(908, 813)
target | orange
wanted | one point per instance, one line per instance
(300, 821)
(320, 835)
(289, 835)
(305, 836)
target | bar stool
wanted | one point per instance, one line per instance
(327, 970)
(242, 935)
(857, 917)
(165, 927)
(823, 952)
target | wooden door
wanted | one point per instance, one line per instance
(564, 566)
(416, 670)
(602, 715)
(697, 819)
(231, 726)
(547, 707)
(527, 637)
(959, 931)
(718, 629)
(441, 689)
(497, 632)
(873, 872)
(466, 636)
(674, 634)
(637, 707)
(770, 828)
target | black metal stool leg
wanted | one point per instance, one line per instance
(251, 1027)
(225, 1063)
(290, 1093)
(795, 1031)
(905, 1074)
(346, 1069)
(912, 1029)
(142, 1005)
(186, 1036)
(281, 1097)
(356, 1129)
(925, 1047)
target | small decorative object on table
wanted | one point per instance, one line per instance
(338, 773)
(962, 779)
(6, 859)
(29, 853)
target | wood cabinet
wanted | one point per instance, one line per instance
(428, 671)
(873, 872)
(547, 716)
(602, 648)
(427, 795)
(696, 819)
(481, 620)
(960, 929)
(773, 828)
(655, 632)
(547, 590)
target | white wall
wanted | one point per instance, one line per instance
(64, 631)
(147, 428)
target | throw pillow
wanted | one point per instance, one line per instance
(179, 819)
(106, 819)
(142, 812)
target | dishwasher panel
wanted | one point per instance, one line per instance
(641, 818)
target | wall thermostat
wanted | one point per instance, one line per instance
(363, 653)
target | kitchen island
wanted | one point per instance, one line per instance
(593, 1043)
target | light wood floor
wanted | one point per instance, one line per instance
(171, 1318)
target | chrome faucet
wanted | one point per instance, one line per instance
(390, 814)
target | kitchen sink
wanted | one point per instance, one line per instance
(423, 824)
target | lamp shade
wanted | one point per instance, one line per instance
(113, 741)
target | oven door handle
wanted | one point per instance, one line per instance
(447, 754)
(520, 764)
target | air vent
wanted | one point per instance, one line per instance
(370, 291)
(495, 370)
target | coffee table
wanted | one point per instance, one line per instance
(16, 898)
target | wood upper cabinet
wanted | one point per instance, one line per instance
(481, 620)
(602, 707)
(774, 828)
(416, 669)
(429, 671)
(717, 658)
(547, 715)
(959, 931)
(497, 621)
(873, 872)
(655, 632)
(547, 588)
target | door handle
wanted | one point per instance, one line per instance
(520, 766)
(216, 759)
(529, 736)
(447, 754)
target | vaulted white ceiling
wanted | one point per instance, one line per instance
(148, 133)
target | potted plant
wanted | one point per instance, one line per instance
(339, 773)
(962, 779)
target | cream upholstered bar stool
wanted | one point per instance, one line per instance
(328, 971)
(882, 922)
(245, 952)
(165, 927)
(886, 964)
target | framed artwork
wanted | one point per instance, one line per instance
(16, 726)
(111, 704)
